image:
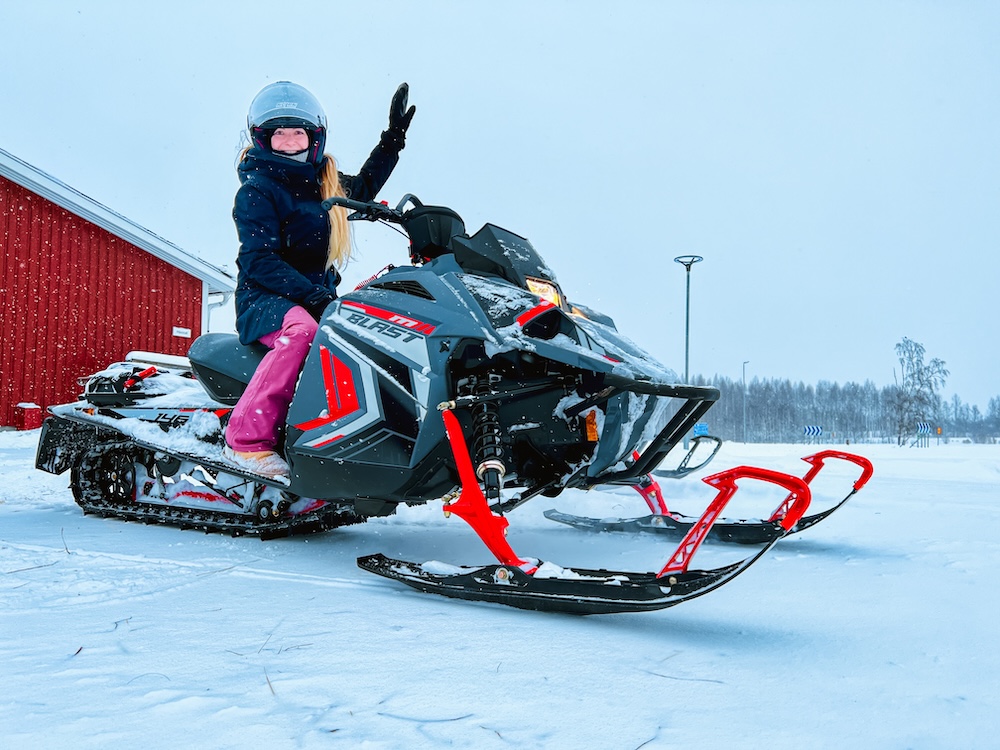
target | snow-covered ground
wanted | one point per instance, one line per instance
(875, 629)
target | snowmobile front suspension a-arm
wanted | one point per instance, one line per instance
(530, 584)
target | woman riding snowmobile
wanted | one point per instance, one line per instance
(290, 251)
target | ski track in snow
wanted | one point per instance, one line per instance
(874, 629)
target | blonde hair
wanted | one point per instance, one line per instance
(339, 250)
(340, 230)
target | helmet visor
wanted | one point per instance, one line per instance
(285, 104)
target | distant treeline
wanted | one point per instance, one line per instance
(778, 411)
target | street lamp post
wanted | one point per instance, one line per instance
(745, 363)
(687, 261)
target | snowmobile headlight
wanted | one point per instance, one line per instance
(547, 290)
(590, 424)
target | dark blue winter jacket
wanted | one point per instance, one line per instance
(284, 233)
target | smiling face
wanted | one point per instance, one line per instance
(289, 140)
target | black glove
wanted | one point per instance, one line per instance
(317, 302)
(399, 115)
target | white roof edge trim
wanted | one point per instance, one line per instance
(75, 202)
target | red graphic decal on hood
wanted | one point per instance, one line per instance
(341, 394)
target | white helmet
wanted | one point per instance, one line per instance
(287, 105)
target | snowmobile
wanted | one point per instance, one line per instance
(466, 376)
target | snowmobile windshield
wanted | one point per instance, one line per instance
(497, 252)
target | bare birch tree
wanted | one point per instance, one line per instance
(916, 398)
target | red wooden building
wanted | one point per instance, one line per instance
(81, 286)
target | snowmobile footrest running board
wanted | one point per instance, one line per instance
(554, 589)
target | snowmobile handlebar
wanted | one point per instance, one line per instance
(374, 211)
(431, 229)
(369, 211)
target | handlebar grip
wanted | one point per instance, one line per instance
(345, 202)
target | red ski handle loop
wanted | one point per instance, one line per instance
(817, 459)
(725, 482)
(799, 493)
(471, 505)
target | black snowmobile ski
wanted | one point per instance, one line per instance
(583, 592)
(675, 525)
(527, 583)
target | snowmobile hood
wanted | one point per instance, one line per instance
(522, 320)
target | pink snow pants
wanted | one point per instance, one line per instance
(262, 409)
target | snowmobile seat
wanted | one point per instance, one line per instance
(223, 365)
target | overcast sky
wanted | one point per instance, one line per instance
(836, 163)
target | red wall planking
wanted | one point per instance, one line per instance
(75, 298)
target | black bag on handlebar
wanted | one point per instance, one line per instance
(431, 230)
